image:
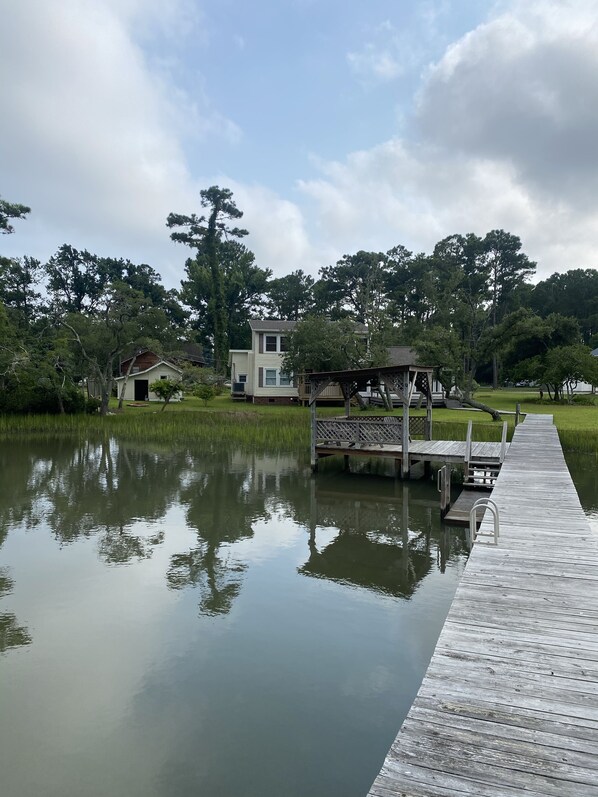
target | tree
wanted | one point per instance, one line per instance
(317, 344)
(526, 341)
(166, 390)
(19, 278)
(11, 210)
(573, 293)
(290, 297)
(508, 267)
(354, 287)
(122, 319)
(205, 234)
(205, 392)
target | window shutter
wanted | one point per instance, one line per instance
(260, 377)
(261, 345)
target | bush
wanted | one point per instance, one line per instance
(205, 392)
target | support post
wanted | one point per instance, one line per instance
(314, 456)
(346, 460)
(405, 430)
(428, 434)
(468, 447)
(503, 442)
(517, 413)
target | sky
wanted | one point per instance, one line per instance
(338, 126)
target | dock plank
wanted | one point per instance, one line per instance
(509, 703)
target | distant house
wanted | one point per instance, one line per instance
(257, 374)
(147, 368)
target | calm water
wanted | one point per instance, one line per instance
(210, 623)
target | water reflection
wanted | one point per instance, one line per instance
(386, 536)
(12, 635)
(384, 543)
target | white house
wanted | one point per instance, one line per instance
(137, 387)
(257, 374)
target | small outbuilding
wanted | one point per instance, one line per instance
(138, 382)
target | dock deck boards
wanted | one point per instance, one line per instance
(433, 450)
(509, 704)
(459, 511)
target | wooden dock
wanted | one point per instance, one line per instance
(458, 514)
(509, 704)
(419, 450)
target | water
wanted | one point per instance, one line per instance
(193, 622)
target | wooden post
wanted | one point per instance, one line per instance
(314, 456)
(346, 459)
(428, 434)
(468, 448)
(503, 442)
(405, 436)
(517, 412)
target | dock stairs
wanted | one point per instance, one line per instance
(481, 474)
(481, 471)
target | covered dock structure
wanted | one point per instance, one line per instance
(406, 439)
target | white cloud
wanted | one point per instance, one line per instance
(506, 131)
(91, 135)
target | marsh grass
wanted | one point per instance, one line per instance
(279, 427)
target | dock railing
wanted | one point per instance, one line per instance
(373, 430)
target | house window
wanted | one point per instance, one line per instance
(285, 379)
(242, 377)
(163, 377)
(271, 342)
(270, 377)
(283, 343)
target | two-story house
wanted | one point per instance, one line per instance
(257, 374)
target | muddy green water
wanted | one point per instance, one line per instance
(209, 622)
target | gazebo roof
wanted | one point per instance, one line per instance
(365, 374)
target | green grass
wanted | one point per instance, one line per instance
(287, 427)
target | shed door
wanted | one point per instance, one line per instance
(141, 389)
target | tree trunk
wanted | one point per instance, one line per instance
(495, 371)
(125, 380)
(469, 402)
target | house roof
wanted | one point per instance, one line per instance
(275, 325)
(594, 353)
(271, 325)
(401, 355)
(151, 368)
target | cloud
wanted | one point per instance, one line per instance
(91, 134)
(504, 136)
(521, 89)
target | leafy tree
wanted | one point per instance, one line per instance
(205, 234)
(290, 297)
(8, 211)
(124, 317)
(166, 390)
(354, 287)
(205, 392)
(318, 344)
(19, 279)
(508, 267)
(573, 293)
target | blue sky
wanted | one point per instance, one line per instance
(338, 126)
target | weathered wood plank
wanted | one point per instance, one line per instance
(509, 704)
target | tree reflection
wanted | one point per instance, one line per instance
(384, 542)
(222, 506)
(12, 635)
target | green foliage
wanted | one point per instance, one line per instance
(290, 297)
(317, 344)
(11, 210)
(205, 234)
(166, 390)
(205, 392)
